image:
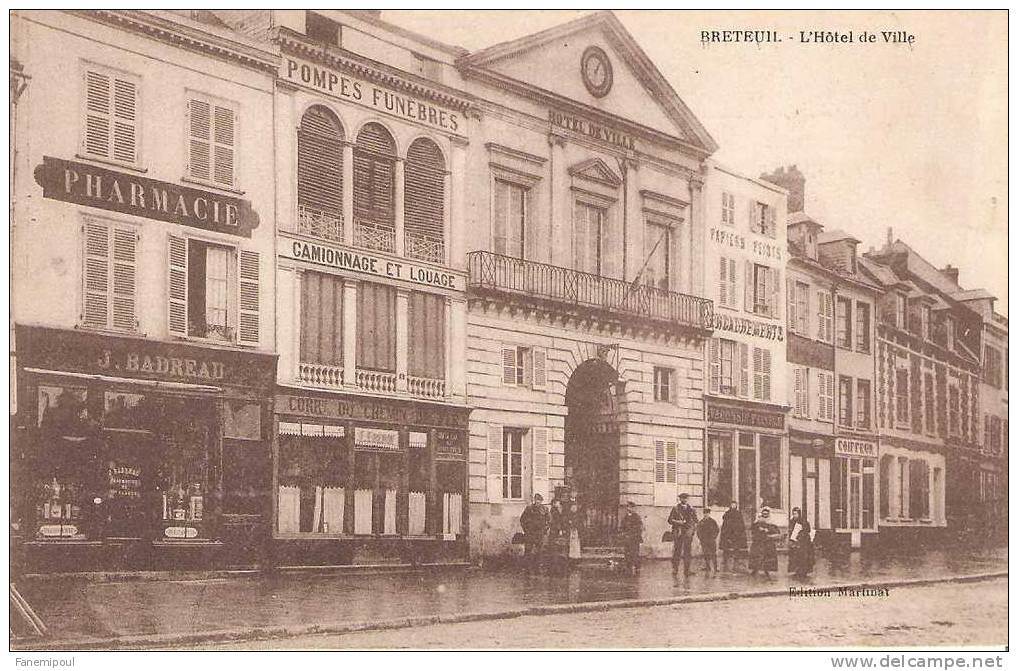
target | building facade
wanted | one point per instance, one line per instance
(745, 256)
(585, 330)
(144, 305)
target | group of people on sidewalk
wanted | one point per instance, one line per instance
(541, 525)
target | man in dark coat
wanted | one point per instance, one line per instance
(632, 535)
(682, 519)
(800, 542)
(707, 532)
(733, 534)
(534, 520)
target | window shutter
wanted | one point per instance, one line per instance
(424, 204)
(754, 219)
(723, 282)
(821, 322)
(125, 249)
(125, 101)
(671, 457)
(748, 283)
(224, 136)
(772, 228)
(96, 275)
(766, 374)
(177, 286)
(830, 396)
(539, 379)
(790, 303)
(733, 296)
(743, 370)
(96, 140)
(249, 322)
(659, 461)
(715, 366)
(509, 365)
(199, 123)
(797, 392)
(757, 373)
(775, 286)
(494, 463)
(320, 162)
(539, 461)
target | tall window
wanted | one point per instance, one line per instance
(844, 315)
(657, 243)
(109, 276)
(887, 474)
(800, 322)
(727, 283)
(844, 400)
(825, 407)
(992, 368)
(588, 238)
(321, 319)
(800, 389)
(208, 283)
(510, 218)
(729, 367)
(320, 174)
(901, 396)
(919, 489)
(825, 316)
(424, 204)
(727, 209)
(770, 471)
(376, 327)
(929, 405)
(426, 348)
(954, 409)
(900, 311)
(719, 469)
(862, 327)
(862, 403)
(761, 374)
(764, 294)
(512, 463)
(110, 128)
(763, 220)
(211, 140)
(374, 185)
(663, 383)
(926, 321)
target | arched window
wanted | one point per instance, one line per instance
(424, 203)
(374, 184)
(320, 174)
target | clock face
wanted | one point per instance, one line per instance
(597, 71)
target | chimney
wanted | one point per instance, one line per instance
(950, 272)
(794, 182)
(890, 237)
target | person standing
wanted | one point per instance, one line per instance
(800, 540)
(682, 519)
(632, 535)
(534, 520)
(733, 534)
(707, 532)
(763, 553)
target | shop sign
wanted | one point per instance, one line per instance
(726, 414)
(448, 443)
(721, 321)
(591, 129)
(339, 85)
(361, 262)
(375, 439)
(366, 409)
(729, 238)
(170, 367)
(84, 184)
(855, 448)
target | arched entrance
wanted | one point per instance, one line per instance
(592, 449)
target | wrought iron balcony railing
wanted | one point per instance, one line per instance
(425, 247)
(374, 235)
(319, 223)
(490, 272)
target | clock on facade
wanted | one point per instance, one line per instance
(597, 71)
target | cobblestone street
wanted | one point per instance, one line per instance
(973, 614)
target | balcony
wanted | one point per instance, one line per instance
(425, 247)
(508, 276)
(319, 223)
(374, 235)
(218, 332)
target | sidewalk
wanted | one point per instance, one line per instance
(88, 613)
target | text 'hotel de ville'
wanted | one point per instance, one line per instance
(305, 288)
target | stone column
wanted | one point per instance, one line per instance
(559, 212)
(456, 348)
(694, 283)
(456, 226)
(635, 252)
(402, 344)
(348, 193)
(398, 205)
(349, 333)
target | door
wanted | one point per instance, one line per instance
(747, 484)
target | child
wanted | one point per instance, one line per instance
(707, 531)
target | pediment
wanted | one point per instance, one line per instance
(596, 170)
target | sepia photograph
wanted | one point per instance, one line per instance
(503, 330)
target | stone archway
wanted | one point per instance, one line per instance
(592, 449)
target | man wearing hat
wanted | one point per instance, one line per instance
(682, 519)
(632, 535)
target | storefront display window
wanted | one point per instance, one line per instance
(854, 493)
(312, 476)
(719, 469)
(770, 471)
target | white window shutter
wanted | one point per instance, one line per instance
(830, 396)
(743, 370)
(733, 294)
(509, 365)
(249, 322)
(494, 463)
(772, 229)
(790, 303)
(766, 374)
(539, 378)
(125, 251)
(95, 311)
(177, 285)
(775, 287)
(539, 461)
(821, 323)
(659, 461)
(671, 461)
(714, 383)
(97, 122)
(224, 136)
(723, 282)
(125, 120)
(748, 283)
(528, 366)
(199, 145)
(757, 373)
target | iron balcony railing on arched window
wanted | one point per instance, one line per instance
(320, 175)
(490, 272)
(424, 202)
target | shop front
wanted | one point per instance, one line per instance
(854, 488)
(135, 454)
(745, 457)
(811, 456)
(365, 480)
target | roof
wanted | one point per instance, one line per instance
(835, 235)
(881, 273)
(972, 295)
(631, 52)
(802, 218)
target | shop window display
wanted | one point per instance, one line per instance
(312, 473)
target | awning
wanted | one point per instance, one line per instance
(155, 384)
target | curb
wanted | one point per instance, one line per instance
(240, 635)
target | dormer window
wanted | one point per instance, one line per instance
(811, 244)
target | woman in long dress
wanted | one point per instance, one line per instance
(763, 553)
(801, 555)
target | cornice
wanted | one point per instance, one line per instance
(186, 37)
(295, 44)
